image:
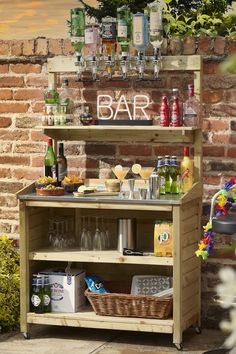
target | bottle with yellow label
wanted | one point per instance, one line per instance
(186, 169)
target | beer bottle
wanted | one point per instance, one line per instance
(167, 173)
(37, 294)
(160, 172)
(175, 176)
(46, 294)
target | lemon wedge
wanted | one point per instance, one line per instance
(118, 168)
(136, 168)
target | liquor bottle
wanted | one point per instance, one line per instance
(124, 29)
(175, 113)
(50, 162)
(37, 294)
(167, 173)
(109, 35)
(77, 29)
(175, 93)
(51, 96)
(86, 117)
(191, 110)
(62, 163)
(66, 101)
(186, 170)
(140, 32)
(161, 174)
(175, 176)
(155, 24)
(46, 294)
(50, 115)
(164, 113)
(92, 39)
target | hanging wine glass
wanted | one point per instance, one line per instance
(98, 241)
(85, 239)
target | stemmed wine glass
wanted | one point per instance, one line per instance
(99, 237)
(144, 172)
(120, 173)
(86, 241)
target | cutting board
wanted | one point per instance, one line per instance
(97, 194)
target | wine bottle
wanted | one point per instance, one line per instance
(62, 163)
(50, 162)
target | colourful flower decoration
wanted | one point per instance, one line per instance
(222, 207)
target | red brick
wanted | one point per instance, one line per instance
(135, 150)
(223, 110)
(5, 228)
(27, 122)
(26, 68)
(16, 48)
(221, 139)
(9, 81)
(218, 124)
(220, 82)
(205, 124)
(10, 187)
(205, 45)
(176, 46)
(5, 147)
(13, 135)
(38, 107)
(55, 46)
(219, 45)
(231, 152)
(28, 47)
(9, 201)
(213, 150)
(41, 47)
(90, 95)
(5, 122)
(5, 94)
(38, 81)
(233, 139)
(37, 161)
(213, 96)
(38, 136)
(4, 68)
(5, 172)
(230, 95)
(189, 45)
(164, 46)
(14, 107)
(100, 149)
(28, 94)
(8, 214)
(15, 160)
(4, 47)
(212, 180)
(231, 45)
(67, 47)
(210, 68)
(28, 148)
(29, 174)
(84, 162)
(166, 149)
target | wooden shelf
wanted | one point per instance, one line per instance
(121, 133)
(87, 318)
(74, 255)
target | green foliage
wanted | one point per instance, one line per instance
(181, 18)
(9, 285)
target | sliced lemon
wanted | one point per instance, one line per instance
(118, 168)
(136, 168)
(81, 189)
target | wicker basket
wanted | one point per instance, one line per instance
(114, 304)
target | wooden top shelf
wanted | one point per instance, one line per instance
(121, 133)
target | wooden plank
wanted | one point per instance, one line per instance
(75, 255)
(90, 320)
(188, 252)
(191, 321)
(190, 304)
(26, 190)
(190, 224)
(191, 277)
(190, 238)
(190, 290)
(190, 264)
(168, 63)
(194, 193)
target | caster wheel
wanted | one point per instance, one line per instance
(198, 330)
(178, 346)
(26, 335)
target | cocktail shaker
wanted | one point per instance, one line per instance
(154, 186)
(126, 234)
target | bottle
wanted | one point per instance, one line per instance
(186, 170)
(167, 173)
(86, 117)
(50, 115)
(46, 294)
(161, 174)
(37, 294)
(77, 29)
(175, 176)
(175, 93)
(175, 113)
(51, 96)
(164, 113)
(155, 24)
(62, 163)
(124, 28)
(92, 39)
(109, 35)
(67, 101)
(140, 32)
(191, 109)
(50, 162)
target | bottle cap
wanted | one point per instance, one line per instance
(65, 82)
(175, 91)
(186, 151)
(50, 141)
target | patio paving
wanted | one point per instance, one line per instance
(67, 340)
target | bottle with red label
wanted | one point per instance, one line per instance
(191, 109)
(175, 113)
(164, 113)
(186, 169)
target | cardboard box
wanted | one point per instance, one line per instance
(67, 291)
(163, 239)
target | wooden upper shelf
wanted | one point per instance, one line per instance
(121, 133)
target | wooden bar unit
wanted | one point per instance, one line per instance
(183, 210)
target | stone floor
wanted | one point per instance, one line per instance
(66, 340)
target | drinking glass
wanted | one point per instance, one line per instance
(99, 238)
(86, 242)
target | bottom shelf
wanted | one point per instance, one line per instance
(87, 318)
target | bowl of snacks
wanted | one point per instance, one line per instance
(45, 181)
(112, 185)
(50, 190)
(71, 184)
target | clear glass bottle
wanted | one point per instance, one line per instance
(62, 163)
(77, 28)
(67, 101)
(109, 41)
(92, 39)
(191, 109)
(140, 32)
(51, 96)
(124, 28)
(155, 25)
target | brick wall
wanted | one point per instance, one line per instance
(23, 78)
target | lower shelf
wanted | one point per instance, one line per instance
(87, 318)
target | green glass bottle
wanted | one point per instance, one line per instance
(161, 174)
(37, 294)
(124, 28)
(51, 96)
(46, 294)
(167, 173)
(77, 28)
(50, 161)
(175, 176)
